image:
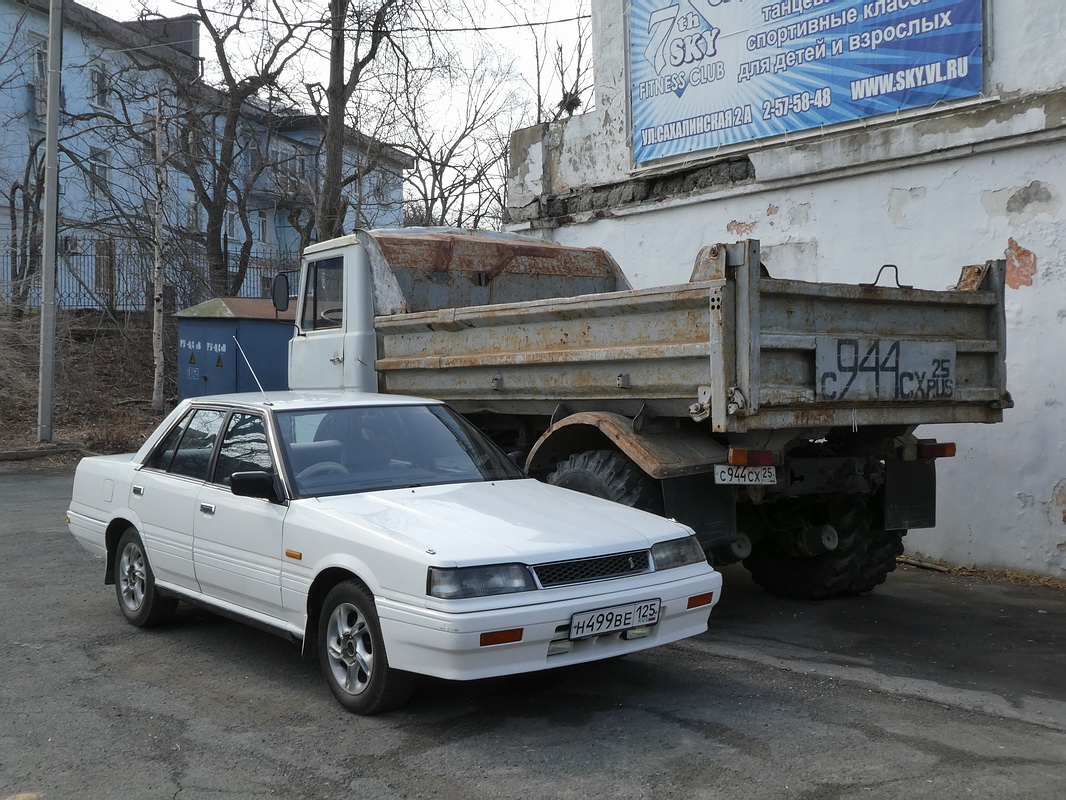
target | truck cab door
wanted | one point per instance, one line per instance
(316, 352)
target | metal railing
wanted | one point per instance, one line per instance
(121, 280)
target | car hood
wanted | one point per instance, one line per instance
(499, 521)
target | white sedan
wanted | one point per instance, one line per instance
(388, 533)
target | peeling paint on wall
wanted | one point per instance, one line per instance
(1058, 501)
(1021, 265)
(800, 214)
(899, 199)
(1037, 197)
(741, 228)
(1023, 205)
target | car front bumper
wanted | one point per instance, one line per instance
(449, 646)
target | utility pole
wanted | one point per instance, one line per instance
(46, 393)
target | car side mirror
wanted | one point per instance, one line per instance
(255, 484)
(279, 290)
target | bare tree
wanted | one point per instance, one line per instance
(359, 31)
(23, 185)
(457, 123)
(560, 76)
(247, 66)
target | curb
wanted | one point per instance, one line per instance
(27, 455)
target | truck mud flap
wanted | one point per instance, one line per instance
(910, 495)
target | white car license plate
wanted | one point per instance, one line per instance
(619, 618)
(746, 476)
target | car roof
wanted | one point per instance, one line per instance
(308, 399)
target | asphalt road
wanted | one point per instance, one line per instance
(932, 687)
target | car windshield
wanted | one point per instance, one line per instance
(345, 450)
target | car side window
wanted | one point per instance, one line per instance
(163, 454)
(197, 444)
(244, 448)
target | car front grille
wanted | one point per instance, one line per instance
(561, 573)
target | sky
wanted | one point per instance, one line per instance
(559, 17)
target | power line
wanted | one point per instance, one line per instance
(462, 29)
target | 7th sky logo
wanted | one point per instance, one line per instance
(681, 37)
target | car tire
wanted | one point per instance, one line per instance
(821, 576)
(610, 475)
(138, 598)
(352, 655)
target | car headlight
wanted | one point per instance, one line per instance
(453, 584)
(677, 553)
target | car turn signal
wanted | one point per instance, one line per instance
(700, 600)
(501, 637)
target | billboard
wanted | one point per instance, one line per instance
(710, 73)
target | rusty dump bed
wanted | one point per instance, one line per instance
(733, 347)
(427, 269)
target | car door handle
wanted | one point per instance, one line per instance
(207, 508)
(138, 490)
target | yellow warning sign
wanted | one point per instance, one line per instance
(192, 358)
(219, 362)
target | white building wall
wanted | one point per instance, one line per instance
(930, 194)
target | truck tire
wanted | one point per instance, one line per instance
(611, 475)
(822, 576)
(881, 552)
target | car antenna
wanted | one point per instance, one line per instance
(244, 355)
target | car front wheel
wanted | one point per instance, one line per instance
(141, 603)
(352, 654)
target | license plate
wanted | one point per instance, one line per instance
(899, 370)
(746, 476)
(618, 618)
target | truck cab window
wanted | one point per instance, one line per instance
(323, 306)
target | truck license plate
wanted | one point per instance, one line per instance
(883, 369)
(745, 476)
(618, 618)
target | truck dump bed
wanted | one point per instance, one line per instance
(732, 346)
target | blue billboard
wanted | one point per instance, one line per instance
(708, 73)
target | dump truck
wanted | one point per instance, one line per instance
(777, 418)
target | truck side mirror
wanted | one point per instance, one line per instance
(279, 290)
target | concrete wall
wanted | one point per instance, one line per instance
(930, 194)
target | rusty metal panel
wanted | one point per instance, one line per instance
(424, 269)
(660, 454)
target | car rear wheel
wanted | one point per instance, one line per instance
(352, 653)
(141, 603)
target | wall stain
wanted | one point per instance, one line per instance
(1021, 265)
